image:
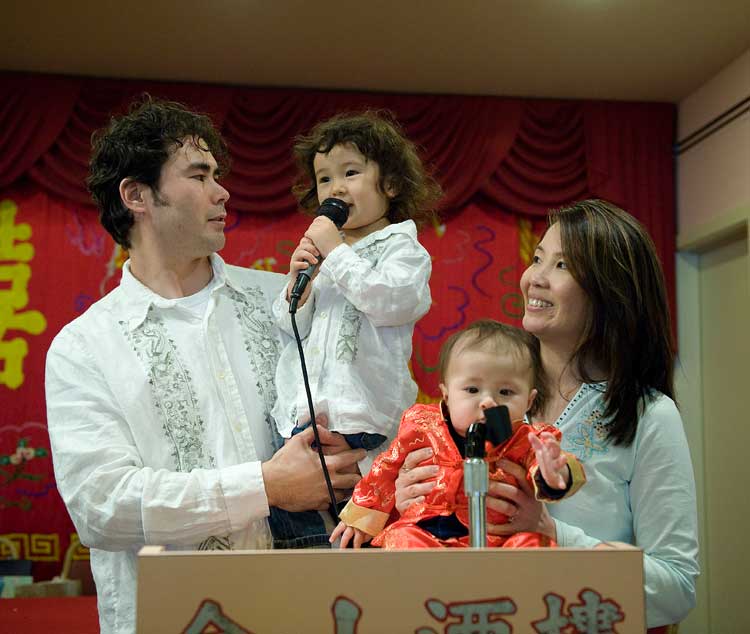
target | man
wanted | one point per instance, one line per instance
(158, 396)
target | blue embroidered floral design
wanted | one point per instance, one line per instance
(589, 437)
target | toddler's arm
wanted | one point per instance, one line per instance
(393, 292)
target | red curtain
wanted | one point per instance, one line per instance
(502, 162)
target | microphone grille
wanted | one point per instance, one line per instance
(335, 209)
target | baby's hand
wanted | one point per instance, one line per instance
(552, 461)
(346, 533)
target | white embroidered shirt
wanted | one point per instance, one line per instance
(357, 326)
(159, 418)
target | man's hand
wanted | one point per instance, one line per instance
(294, 479)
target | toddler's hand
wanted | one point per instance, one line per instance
(346, 533)
(552, 461)
(324, 235)
(304, 255)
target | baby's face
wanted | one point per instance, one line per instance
(481, 378)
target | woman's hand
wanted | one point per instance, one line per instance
(525, 513)
(410, 484)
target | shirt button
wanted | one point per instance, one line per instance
(221, 375)
(322, 315)
(315, 350)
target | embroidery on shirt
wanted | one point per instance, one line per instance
(173, 392)
(347, 343)
(262, 346)
(589, 437)
(216, 543)
(371, 252)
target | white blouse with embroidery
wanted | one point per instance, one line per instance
(357, 326)
(159, 418)
(643, 494)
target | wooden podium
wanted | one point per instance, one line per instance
(451, 591)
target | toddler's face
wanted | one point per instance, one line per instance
(345, 173)
(481, 378)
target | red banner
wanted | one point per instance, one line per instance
(502, 162)
(56, 260)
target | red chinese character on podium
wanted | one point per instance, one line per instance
(591, 616)
(475, 617)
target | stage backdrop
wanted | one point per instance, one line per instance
(502, 163)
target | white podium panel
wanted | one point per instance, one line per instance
(451, 591)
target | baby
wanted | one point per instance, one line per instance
(483, 366)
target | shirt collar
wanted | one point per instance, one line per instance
(140, 298)
(406, 227)
(600, 386)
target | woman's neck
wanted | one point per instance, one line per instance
(563, 377)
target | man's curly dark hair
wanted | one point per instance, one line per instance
(136, 145)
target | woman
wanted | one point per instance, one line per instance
(595, 299)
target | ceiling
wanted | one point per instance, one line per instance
(645, 50)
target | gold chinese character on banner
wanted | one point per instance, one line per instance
(15, 252)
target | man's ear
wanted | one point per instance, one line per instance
(131, 194)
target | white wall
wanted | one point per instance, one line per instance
(713, 205)
(713, 177)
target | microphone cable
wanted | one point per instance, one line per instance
(337, 211)
(318, 445)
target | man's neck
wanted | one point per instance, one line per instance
(171, 279)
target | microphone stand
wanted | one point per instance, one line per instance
(476, 484)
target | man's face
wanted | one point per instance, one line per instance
(187, 211)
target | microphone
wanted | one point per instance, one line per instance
(476, 484)
(338, 212)
(499, 427)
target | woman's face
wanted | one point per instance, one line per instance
(556, 306)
